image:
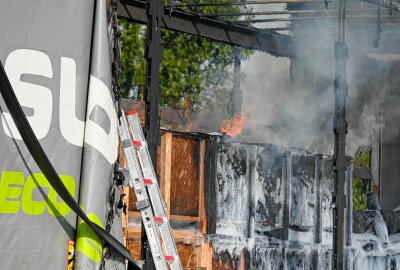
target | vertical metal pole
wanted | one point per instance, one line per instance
(153, 54)
(340, 131)
(236, 94)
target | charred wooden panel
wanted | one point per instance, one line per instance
(361, 222)
(185, 176)
(266, 258)
(372, 262)
(303, 192)
(326, 196)
(226, 261)
(278, 257)
(392, 220)
(305, 259)
(390, 174)
(232, 183)
(318, 207)
(294, 260)
(246, 190)
(269, 191)
(210, 184)
(390, 144)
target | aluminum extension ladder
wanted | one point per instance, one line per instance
(149, 200)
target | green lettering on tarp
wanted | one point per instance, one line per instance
(30, 206)
(61, 208)
(88, 243)
(10, 192)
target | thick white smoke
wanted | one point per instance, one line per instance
(292, 103)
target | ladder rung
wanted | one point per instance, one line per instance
(148, 181)
(159, 219)
(169, 258)
(131, 112)
(137, 143)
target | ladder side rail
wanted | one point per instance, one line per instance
(138, 135)
(146, 165)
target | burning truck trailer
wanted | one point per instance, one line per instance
(264, 206)
(243, 205)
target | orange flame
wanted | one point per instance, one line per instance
(234, 126)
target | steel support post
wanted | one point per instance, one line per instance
(340, 131)
(153, 55)
(236, 97)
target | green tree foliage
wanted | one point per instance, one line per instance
(190, 64)
(360, 186)
(133, 65)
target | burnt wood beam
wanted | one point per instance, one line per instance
(317, 12)
(235, 35)
(325, 18)
(382, 3)
(245, 3)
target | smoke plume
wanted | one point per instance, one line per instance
(291, 102)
